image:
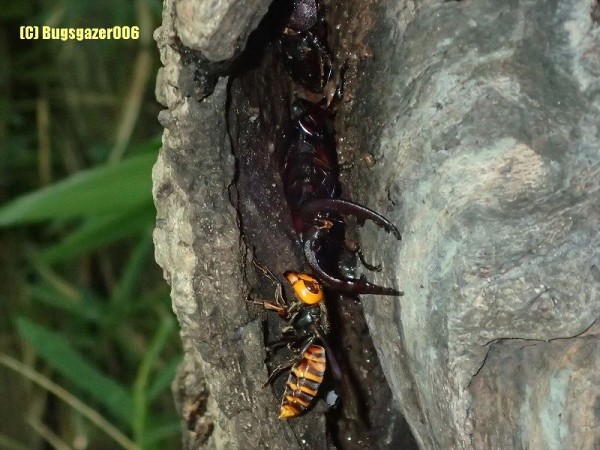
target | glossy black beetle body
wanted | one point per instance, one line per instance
(309, 171)
(303, 45)
(307, 160)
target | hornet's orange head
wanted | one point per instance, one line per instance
(307, 288)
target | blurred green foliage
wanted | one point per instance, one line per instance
(88, 342)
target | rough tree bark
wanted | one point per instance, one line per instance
(474, 126)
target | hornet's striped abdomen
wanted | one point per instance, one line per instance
(303, 383)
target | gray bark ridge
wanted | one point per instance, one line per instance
(489, 143)
(197, 237)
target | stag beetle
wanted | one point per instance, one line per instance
(303, 45)
(309, 171)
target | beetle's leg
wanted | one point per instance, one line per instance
(354, 247)
(345, 207)
(346, 166)
(334, 97)
(325, 57)
(370, 267)
(350, 286)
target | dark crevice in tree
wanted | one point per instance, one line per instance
(259, 94)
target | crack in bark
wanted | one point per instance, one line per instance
(534, 342)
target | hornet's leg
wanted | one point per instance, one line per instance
(271, 306)
(293, 360)
(283, 341)
(347, 208)
(279, 298)
(278, 305)
(266, 272)
(279, 370)
(293, 341)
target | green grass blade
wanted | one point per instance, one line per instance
(164, 429)
(104, 190)
(69, 399)
(86, 308)
(164, 377)
(59, 354)
(131, 274)
(140, 390)
(100, 231)
(8, 443)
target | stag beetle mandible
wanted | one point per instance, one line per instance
(309, 171)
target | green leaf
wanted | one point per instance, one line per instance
(59, 355)
(164, 429)
(8, 443)
(164, 378)
(105, 190)
(140, 389)
(131, 274)
(99, 231)
(85, 308)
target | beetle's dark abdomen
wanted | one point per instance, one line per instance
(304, 15)
(307, 163)
(307, 60)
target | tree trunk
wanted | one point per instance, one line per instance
(473, 126)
